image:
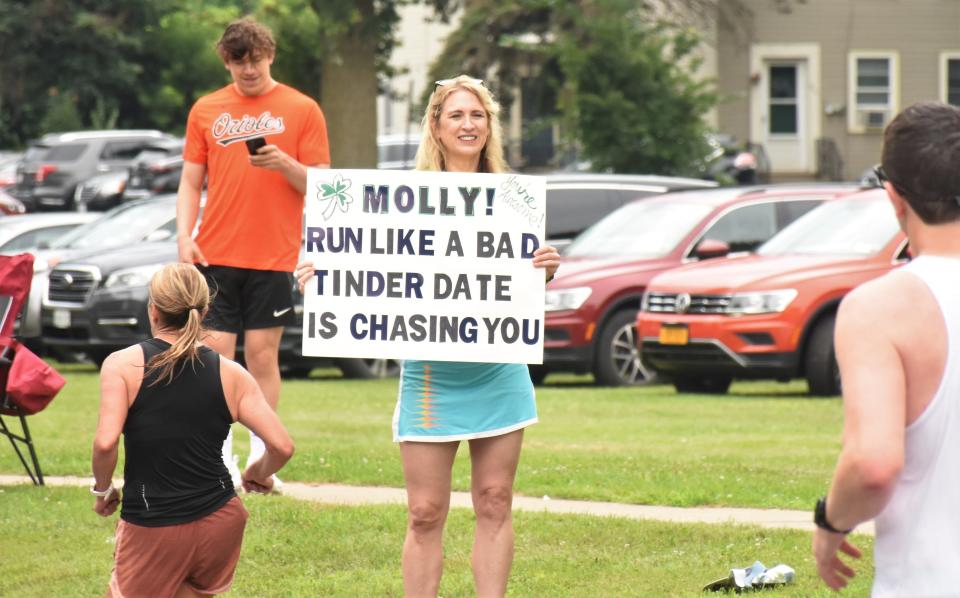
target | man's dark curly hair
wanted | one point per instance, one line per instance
(246, 37)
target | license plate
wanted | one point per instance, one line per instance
(61, 318)
(674, 335)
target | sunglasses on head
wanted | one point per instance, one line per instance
(444, 82)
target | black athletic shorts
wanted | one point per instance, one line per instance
(245, 299)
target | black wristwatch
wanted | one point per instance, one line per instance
(820, 518)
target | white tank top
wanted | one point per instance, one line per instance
(917, 550)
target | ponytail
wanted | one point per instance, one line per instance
(181, 296)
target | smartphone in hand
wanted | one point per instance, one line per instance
(254, 144)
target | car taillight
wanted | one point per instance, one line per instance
(44, 171)
(158, 169)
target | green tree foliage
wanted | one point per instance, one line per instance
(628, 94)
(617, 80)
(84, 49)
(180, 63)
(69, 64)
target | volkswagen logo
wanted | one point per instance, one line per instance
(682, 303)
(68, 279)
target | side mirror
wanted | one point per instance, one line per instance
(710, 248)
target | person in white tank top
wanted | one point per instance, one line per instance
(898, 348)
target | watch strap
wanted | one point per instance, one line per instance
(101, 493)
(820, 518)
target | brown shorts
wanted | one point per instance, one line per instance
(156, 561)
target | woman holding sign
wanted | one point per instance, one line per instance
(442, 402)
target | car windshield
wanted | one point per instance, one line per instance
(844, 227)
(644, 229)
(124, 225)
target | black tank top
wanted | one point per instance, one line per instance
(173, 472)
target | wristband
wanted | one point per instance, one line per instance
(101, 493)
(820, 518)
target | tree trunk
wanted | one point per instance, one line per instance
(348, 95)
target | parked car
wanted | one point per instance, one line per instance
(770, 315)
(155, 170)
(577, 200)
(8, 168)
(54, 165)
(124, 226)
(397, 152)
(10, 205)
(97, 304)
(101, 192)
(592, 303)
(31, 233)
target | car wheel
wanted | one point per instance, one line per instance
(367, 369)
(298, 372)
(98, 356)
(537, 373)
(820, 362)
(618, 357)
(708, 385)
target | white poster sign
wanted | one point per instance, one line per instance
(424, 265)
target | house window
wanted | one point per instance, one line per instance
(873, 82)
(873, 90)
(950, 78)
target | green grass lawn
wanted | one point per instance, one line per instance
(765, 445)
(54, 545)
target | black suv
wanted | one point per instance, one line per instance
(56, 164)
(98, 304)
(155, 170)
(577, 200)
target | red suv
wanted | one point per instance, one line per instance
(592, 303)
(770, 315)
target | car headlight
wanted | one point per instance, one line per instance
(566, 299)
(132, 277)
(766, 302)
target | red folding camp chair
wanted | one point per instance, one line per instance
(27, 383)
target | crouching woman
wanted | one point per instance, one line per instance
(173, 399)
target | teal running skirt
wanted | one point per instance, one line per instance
(444, 401)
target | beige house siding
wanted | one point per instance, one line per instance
(916, 31)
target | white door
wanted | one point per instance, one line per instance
(784, 115)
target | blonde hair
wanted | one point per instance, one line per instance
(430, 153)
(180, 294)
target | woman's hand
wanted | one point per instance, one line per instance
(107, 505)
(303, 273)
(547, 257)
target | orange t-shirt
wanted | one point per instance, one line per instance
(253, 216)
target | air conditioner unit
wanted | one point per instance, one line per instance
(872, 119)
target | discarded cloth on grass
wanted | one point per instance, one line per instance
(754, 577)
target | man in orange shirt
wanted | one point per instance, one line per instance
(250, 233)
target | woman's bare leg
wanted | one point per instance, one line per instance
(494, 468)
(426, 470)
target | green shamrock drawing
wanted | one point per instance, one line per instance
(335, 196)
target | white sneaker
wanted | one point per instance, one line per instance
(234, 470)
(277, 485)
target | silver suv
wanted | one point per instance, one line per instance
(55, 164)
